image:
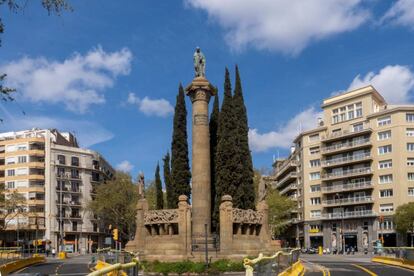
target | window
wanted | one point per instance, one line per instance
(384, 179)
(315, 188)
(410, 161)
(314, 150)
(384, 149)
(315, 214)
(10, 160)
(410, 146)
(348, 112)
(315, 201)
(10, 148)
(22, 159)
(358, 127)
(10, 172)
(61, 159)
(386, 193)
(385, 208)
(74, 173)
(387, 225)
(410, 176)
(75, 161)
(411, 191)
(315, 176)
(10, 185)
(22, 171)
(384, 121)
(22, 147)
(409, 117)
(314, 137)
(315, 163)
(385, 164)
(383, 135)
(409, 132)
(61, 171)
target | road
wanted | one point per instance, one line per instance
(332, 265)
(71, 266)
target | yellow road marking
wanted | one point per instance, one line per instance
(365, 269)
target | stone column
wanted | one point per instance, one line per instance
(140, 233)
(200, 91)
(226, 224)
(184, 224)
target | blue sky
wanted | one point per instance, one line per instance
(109, 70)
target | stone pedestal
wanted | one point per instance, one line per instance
(200, 91)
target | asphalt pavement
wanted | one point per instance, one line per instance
(354, 265)
(78, 265)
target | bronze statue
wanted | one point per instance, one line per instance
(199, 63)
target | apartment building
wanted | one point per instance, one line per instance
(350, 173)
(57, 178)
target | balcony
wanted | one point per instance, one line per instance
(290, 187)
(294, 197)
(346, 134)
(346, 146)
(347, 173)
(67, 190)
(69, 203)
(352, 214)
(346, 160)
(347, 187)
(286, 165)
(284, 180)
(348, 201)
(68, 176)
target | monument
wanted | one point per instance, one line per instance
(184, 233)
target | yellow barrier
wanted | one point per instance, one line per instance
(248, 264)
(103, 268)
(394, 261)
(296, 269)
(8, 268)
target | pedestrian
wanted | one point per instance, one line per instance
(47, 250)
(53, 252)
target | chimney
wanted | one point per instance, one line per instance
(320, 121)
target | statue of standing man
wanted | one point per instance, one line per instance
(199, 63)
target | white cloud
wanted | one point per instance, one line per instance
(148, 106)
(125, 166)
(78, 82)
(280, 25)
(394, 82)
(286, 133)
(88, 133)
(400, 13)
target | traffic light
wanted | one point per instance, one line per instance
(115, 234)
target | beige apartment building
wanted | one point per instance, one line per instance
(350, 173)
(57, 178)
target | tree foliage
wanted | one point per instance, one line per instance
(245, 174)
(280, 208)
(159, 195)
(170, 199)
(11, 205)
(115, 204)
(180, 167)
(227, 158)
(213, 128)
(404, 218)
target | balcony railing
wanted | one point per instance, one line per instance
(352, 214)
(284, 179)
(292, 186)
(346, 173)
(347, 159)
(344, 133)
(286, 164)
(65, 189)
(347, 187)
(348, 200)
(348, 145)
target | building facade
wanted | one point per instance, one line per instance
(57, 179)
(350, 173)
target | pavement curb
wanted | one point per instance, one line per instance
(394, 262)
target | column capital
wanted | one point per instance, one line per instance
(200, 89)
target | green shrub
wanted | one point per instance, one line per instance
(191, 267)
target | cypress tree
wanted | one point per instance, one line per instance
(159, 197)
(171, 196)
(213, 126)
(180, 168)
(226, 154)
(246, 195)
